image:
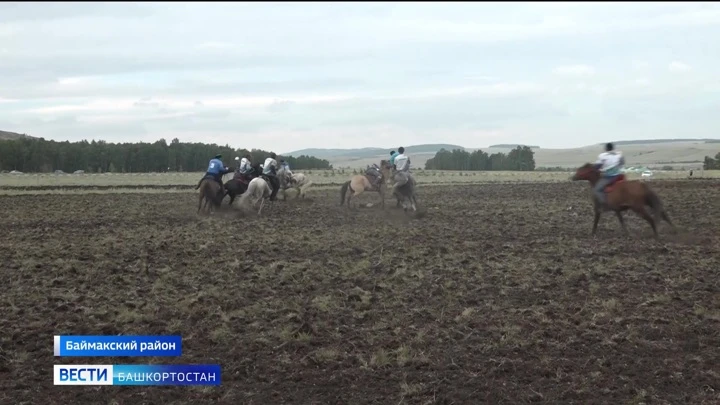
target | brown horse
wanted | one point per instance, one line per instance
(211, 192)
(360, 183)
(622, 195)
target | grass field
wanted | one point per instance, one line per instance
(319, 177)
(497, 295)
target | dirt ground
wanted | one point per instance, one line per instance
(497, 295)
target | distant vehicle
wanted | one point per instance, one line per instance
(646, 173)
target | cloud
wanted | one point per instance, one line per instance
(356, 74)
(575, 70)
(676, 66)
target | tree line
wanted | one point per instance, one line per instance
(39, 155)
(522, 158)
(712, 163)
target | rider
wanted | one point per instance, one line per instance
(402, 169)
(610, 164)
(286, 169)
(245, 166)
(270, 170)
(216, 169)
(237, 165)
(393, 155)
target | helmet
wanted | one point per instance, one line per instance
(609, 146)
(237, 158)
(218, 156)
(273, 155)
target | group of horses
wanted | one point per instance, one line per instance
(253, 186)
(256, 187)
(621, 195)
(360, 183)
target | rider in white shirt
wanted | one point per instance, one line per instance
(402, 170)
(270, 170)
(610, 164)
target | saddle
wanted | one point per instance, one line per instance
(208, 177)
(241, 178)
(617, 180)
(374, 176)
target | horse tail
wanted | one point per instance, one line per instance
(343, 191)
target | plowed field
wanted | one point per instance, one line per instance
(497, 295)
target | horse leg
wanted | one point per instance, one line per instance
(663, 215)
(262, 202)
(640, 210)
(596, 220)
(200, 201)
(622, 222)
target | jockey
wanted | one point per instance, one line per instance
(402, 169)
(216, 169)
(245, 165)
(286, 169)
(270, 170)
(393, 155)
(610, 164)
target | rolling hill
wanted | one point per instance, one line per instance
(679, 153)
(7, 135)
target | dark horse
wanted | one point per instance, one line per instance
(239, 184)
(211, 191)
(622, 195)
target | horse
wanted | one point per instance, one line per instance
(360, 183)
(259, 190)
(211, 192)
(207, 187)
(300, 182)
(239, 183)
(386, 169)
(623, 194)
(407, 191)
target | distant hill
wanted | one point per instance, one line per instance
(654, 141)
(7, 135)
(362, 153)
(687, 153)
(511, 146)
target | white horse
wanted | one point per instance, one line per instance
(300, 183)
(258, 190)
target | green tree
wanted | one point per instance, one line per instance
(38, 155)
(522, 158)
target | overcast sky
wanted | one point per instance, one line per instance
(286, 76)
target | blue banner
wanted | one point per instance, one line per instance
(128, 346)
(137, 374)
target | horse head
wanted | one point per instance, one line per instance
(588, 172)
(386, 169)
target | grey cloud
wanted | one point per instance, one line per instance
(280, 106)
(380, 53)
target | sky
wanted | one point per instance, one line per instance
(288, 76)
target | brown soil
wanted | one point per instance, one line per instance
(497, 295)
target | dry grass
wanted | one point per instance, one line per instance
(318, 177)
(498, 295)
